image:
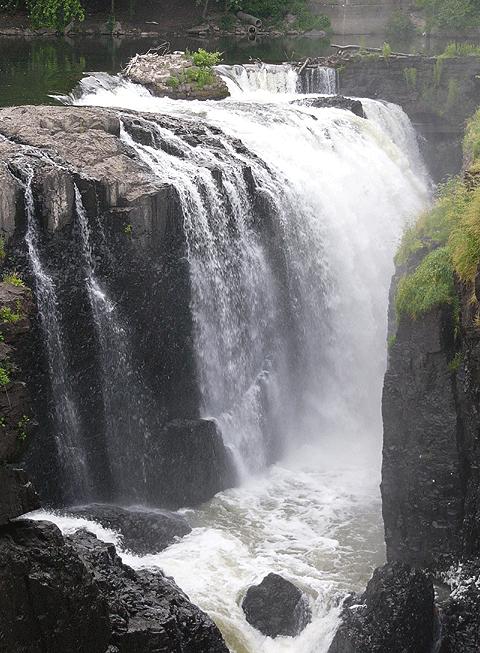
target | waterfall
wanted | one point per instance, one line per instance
(124, 407)
(279, 79)
(68, 433)
(291, 216)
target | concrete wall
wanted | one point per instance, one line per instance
(357, 16)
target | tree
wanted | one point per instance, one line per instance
(54, 13)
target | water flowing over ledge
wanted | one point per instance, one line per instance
(290, 216)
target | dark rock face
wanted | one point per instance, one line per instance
(422, 484)
(17, 494)
(143, 531)
(334, 102)
(460, 615)
(395, 614)
(276, 607)
(139, 246)
(437, 94)
(50, 601)
(148, 613)
(195, 461)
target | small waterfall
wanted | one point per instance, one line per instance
(318, 79)
(68, 433)
(124, 409)
(277, 79)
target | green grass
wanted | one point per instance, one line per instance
(471, 142)
(430, 285)
(460, 50)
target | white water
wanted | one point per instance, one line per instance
(68, 437)
(123, 405)
(340, 189)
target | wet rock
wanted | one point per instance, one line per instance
(460, 614)
(333, 102)
(276, 607)
(50, 601)
(422, 487)
(147, 611)
(394, 614)
(17, 494)
(142, 530)
(195, 463)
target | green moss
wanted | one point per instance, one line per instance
(411, 77)
(128, 229)
(391, 340)
(430, 285)
(2, 249)
(454, 364)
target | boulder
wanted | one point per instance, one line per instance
(17, 494)
(148, 612)
(394, 614)
(333, 102)
(50, 601)
(276, 607)
(142, 530)
(194, 464)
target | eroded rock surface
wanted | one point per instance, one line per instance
(334, 102)
(276, 607)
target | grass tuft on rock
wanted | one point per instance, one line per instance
(430, 285)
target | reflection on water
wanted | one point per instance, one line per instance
(31, 69)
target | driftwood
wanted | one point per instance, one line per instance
(248, 18)
(358, 48)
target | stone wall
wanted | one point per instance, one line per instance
(357, 16)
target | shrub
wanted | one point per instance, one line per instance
(460, 50)
(204, 59)
(471, 143)
(173, 82)
(386, 50)
(430, 285)
(4, 376)
(54, 13)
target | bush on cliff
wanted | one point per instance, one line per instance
(452, 230)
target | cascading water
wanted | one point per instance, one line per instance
(290, 273)
(68, 433)
(124, 409)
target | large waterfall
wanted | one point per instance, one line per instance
(289, 267)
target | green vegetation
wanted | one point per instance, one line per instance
(386, 50)
(430, 285)
(451, 14)
(128, 229)
(3, 422)
(204, 59)
(56, 14)
(391, 340)
(2, 249)
(460, 50)
(14, 280)
(411, 77)
(4, 377)
(400, 27)
(454, 364)
(450, 232)
(7, 316)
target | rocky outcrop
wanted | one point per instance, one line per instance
(333, 102)
(139, 245)
(17, 494)
(394, 614)
(276, 607)
(176, 76)
(459, 613)
(141, 530)
(75, 594)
